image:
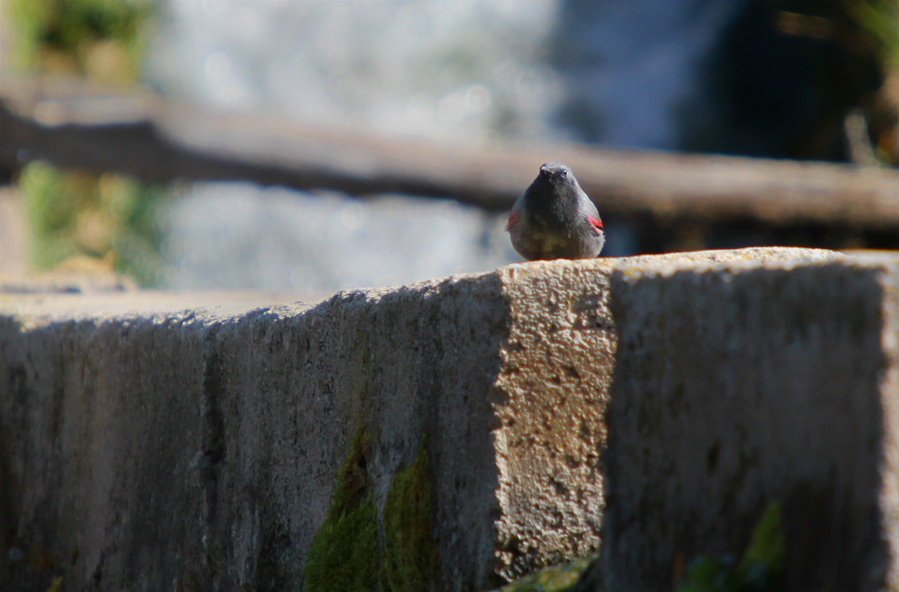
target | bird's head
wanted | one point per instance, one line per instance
(556, 171)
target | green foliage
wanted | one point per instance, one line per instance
(560, 578)
(108, 221)
(344, 555)
(101, 38)
(760, 569)
(878, 20)
(410, 553)
(110, 217)
(864, 26)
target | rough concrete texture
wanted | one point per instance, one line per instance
(741, 384)
(148, 447)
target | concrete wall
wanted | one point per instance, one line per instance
(149, 447)
(738, 385)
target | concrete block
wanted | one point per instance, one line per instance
(740, 384)
(177, 442)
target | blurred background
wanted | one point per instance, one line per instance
(235, 144)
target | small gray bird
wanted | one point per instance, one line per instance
(554, 218)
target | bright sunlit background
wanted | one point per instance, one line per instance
(771, 78)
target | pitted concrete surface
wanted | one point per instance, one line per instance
(192, 442)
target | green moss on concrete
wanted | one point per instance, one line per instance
(411, 559)
(344, 555)
(765, 552)
(560, 578)
(760, 570)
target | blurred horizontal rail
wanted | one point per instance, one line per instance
(139, 133)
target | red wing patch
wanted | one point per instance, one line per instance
(595, 222)
(512, 219)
